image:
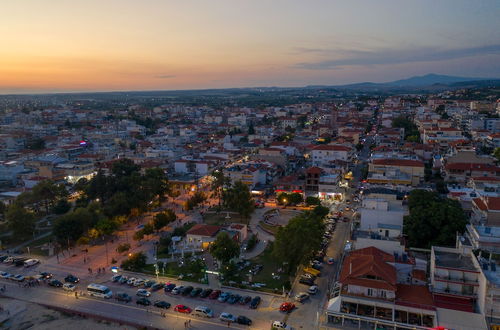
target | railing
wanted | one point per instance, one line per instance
(455, 279)
(455, 293)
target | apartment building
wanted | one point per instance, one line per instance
(396, 171)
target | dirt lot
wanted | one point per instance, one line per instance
(32, 316)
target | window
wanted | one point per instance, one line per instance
(383, 293)
(370, 292)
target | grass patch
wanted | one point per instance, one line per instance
(172, 269)
(36, 246)
(271, 265)
(268, 227)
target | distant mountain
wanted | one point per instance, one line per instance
(430, 79)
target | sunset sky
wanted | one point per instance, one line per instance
(90, 45)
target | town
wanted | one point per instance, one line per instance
(347, 209)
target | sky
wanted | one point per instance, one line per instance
(108, 45)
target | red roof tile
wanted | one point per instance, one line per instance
(204, 230)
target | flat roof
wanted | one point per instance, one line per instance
(454, 260)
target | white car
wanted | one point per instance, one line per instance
(8, 260)
(69, 287)
(18, 278)
(301, 297)
(139, 282)
(143, 293)
(313, 289)
(31, 262)
(227, 317)
(278, 325)
(131, 281)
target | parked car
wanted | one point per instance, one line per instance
(143, 293)
(162, 304)
(178, 289)
(5, 275)
(18, 278)
(131, 281)
(116, 278)
(182, 309)
(123, 280)
(55, 283)
(169, 286)
(139, 282)
(149, 283)
(187, 290)
(301, 297)
(2, 258)
(31, 262)
(214, 294)
(143, 301)
(331, 261)
(122, 296)
(69, 287)
(227, 317)
(234, 298)
(156, 287)
(205, 293)
(278, 325)
(287, 307)
(243, 320)
(306, 280)
(245, 300)
(46, 275)
(195, 292)
(255, 302)
(71, 279)
(313, 289)
(224, 296)
(203, 311)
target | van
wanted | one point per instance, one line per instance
(312, 271)
(203, 311)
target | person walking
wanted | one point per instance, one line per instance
(76, 294)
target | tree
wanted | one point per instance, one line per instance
(148, 229)
(62, 206)
(224, 248)
(433, 220)
(409, 126)
(68, 227)
(35, 144)
(124, 168)
(219, 182)
(251, 129)
(139, 235)
(298, 241)
(312, 201)
(496, 153)
(47, 192)
(20, 221)
(157, 183)
(238, 198)
(3, 208)
(136, 262)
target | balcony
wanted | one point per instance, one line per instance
(454, 293)
(455, 280)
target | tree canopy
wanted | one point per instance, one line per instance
(433, 220)
(298, 241)
(239, 199)
(224, 248)
(20, 220)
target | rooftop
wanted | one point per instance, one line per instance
(454, 260)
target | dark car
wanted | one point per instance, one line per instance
(195, 292)
(55, 283)
(243, 320)
(214, 294)
(233, 299)
(143, 301)
(245, 300)
(255, 302)
(162, 304)
(46, 275)
(316, 266)
(187, 290)
(169, 287)
(71, 279)
(156, 286)
(2, 258)
(205, 293)
(306, 281)
(122, 296)
(19, 261)
(149, 284)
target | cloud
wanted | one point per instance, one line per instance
(165, 76)
(390, 56)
